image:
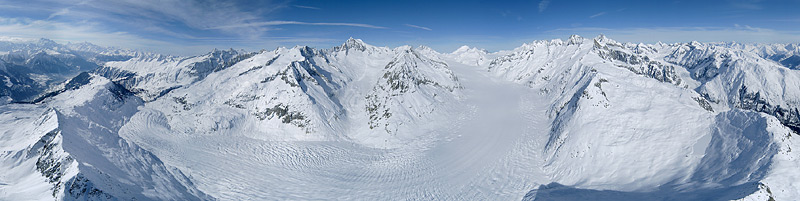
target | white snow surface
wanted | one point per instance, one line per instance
(571, 119)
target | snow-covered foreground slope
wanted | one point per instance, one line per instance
(571, 119)
(71, 150)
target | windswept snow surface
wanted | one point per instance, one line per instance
(575, 119)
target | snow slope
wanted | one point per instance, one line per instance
(70, 150)
(600, 118)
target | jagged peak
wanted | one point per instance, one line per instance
(45, 41)
(601, 41)
(353, 43)
(575, 40)
(428, 51)
(404, 48)
(695, 43)
(423, 47)
(604, 40)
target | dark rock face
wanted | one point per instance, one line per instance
(792, 62)
(638, 64)
(78, 81)
(789, 117)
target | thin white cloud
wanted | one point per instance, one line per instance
(63, 32)
(146, 14)
(308, 7)
(597, 15)
(61, 12)
(419, 27)
(746, 4)
(162, 26)
(22, 29)
(278, 22)
(543, 5)
(738, 33)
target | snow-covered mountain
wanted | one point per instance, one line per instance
(550, 120)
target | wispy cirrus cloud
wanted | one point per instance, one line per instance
(308, 7)
(72, 32)
(419, 27)
(278, 22)
(597, 15)
(164, 26)
(543, 5)
(747, 4)
(178, 17)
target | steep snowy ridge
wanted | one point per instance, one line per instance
(79, 156)
(277, 95)
(152, 76)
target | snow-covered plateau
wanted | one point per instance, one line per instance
(575, 119)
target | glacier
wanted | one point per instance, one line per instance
(574, 119)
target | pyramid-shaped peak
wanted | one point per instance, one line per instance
(575, 40)
(354, 41)
(46, 42)
(603, 38)
(463, 48)
(355, 44)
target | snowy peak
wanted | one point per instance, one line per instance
(577, 40)
(46, 43)
(410, 69)
(353, 44)
(469, 56)
(411, 87)
(461, 49)
(602, 41)
(427, 51)
(469, 50)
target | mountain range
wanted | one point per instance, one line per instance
(574, 119)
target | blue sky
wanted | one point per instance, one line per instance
(194, 27)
